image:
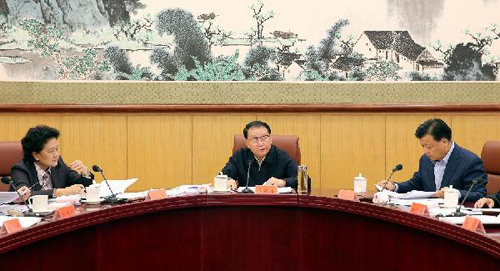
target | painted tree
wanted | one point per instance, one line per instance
(321, 62)
(383, 70)
(123, 67)
(190, 42)
(260, 64)
(221, 68)
(129, 30)
(465, 61)
(261, 17)
(213, 32)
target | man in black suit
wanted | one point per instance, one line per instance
(444, 163)
(44, 171)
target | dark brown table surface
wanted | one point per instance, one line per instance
(229, 231)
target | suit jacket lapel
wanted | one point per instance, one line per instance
(451, 166)
(33, 176)
(54, 176)
(430, 175)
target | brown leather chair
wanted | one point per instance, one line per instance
(11, 152)
(289, 143)
(491, 160)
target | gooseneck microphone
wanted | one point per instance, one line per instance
(7, 180)
(248, 190)
(458, 212)
(396, 168)
(112, 198)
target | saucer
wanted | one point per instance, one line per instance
(92, 201)
(43, 212)
(222, 190)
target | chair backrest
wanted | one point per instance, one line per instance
(289, 143)
(11, 152)
(491, 160)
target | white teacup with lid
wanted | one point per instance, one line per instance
(451, 197)
(220, 182)
(359, 184)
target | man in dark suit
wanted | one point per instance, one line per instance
(444, 163)
(42, 170)
(265, 163)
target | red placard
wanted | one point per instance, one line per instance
(156, 194)
(348, 195)
(419, 209)
(473, 224)
(65, 212)
(266, 189)
(11, 226)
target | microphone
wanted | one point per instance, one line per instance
(7, 180)
(112, 198)
(398, 167)
(458, 212)
(248, 190)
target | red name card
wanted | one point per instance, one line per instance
(156, 194)
(65, 212)
(419, 209)
(11, 226)
(473, 224)
(348, 195)
(266, 189)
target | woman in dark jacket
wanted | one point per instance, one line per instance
(44, 171)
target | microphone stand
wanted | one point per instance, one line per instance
(30, 211)
(248, 190)
(458, 212)
(111, 199)
(390, 175)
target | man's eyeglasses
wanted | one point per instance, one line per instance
(263, 139)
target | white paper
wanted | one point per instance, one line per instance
(281, 190)
(6, 207)
(132, 196)
(485, 219)
(492, 210)
(6, 197)
(26, 222)
(189, 189)
(414, 194)
(118, 187)
(409, 202)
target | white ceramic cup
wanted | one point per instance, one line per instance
(451, 197)
(360, 184)
(93, 192)
(220, 183)
(39, 203)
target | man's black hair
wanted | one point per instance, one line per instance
(255, 124)
(435, 127)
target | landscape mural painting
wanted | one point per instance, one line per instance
(250, 40)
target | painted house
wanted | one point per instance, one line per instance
(397, 46)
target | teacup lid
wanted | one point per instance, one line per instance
(360, 177)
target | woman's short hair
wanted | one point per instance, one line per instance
(36, 138)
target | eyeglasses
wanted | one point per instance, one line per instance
(263, 139)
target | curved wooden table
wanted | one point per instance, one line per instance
(247, 232)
